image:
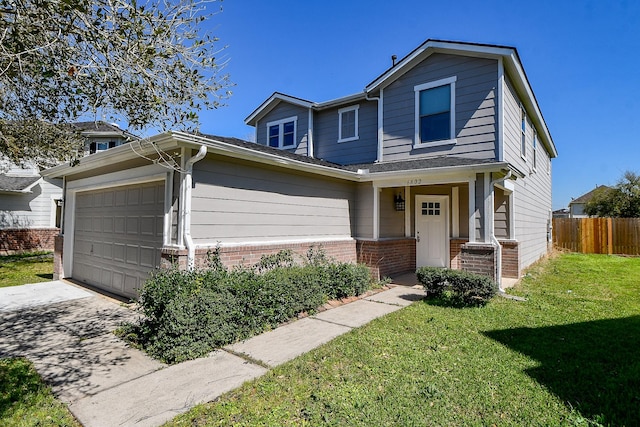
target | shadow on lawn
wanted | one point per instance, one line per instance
(592, 366)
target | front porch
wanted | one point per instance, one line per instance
(459, 221)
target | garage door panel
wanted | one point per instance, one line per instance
(118, 236)
(121, 197)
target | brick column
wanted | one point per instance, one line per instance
(479, 259)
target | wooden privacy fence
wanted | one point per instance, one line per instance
(598, 235)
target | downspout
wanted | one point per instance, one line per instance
(187, 181)
(310, 149)
(380, 130)
(494, 240)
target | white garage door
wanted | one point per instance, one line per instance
(118, 236)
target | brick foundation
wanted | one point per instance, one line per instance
(510, 259)
(388, 257)
(455, 251)
(341, 251)
(16, 240)
(479, 258)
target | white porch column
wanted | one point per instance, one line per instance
(472, 210)
(407, 211)
(488, 208)
(376, 212)
(455, 212)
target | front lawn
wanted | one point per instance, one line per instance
(26, 268)
(566, 356)
(26, 401)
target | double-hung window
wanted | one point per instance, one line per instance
(523, 138)
(282, 133)
(435, 113)
(535, 148)
(348, 123)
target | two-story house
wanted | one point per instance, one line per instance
(31, 206)
(443, 160)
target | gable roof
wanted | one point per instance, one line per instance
(278, 97)
(507, 54)
(17, 184)
(588, 196)
(99, 128)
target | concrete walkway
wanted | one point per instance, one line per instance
(66, 331)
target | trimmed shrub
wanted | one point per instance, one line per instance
(456, 287)
(433, 279)
(187, 314)
(345, 280)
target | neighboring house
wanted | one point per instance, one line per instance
(443, 160)
(577, 205)
(561, 213)
(31, 206)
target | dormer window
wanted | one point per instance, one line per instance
(282, 133)
(348, 123)
(435, 113)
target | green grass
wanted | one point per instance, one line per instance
(566, 356)
(25, 268)
(26, 401)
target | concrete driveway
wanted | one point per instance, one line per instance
(66, 331)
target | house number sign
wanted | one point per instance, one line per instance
(416, 181)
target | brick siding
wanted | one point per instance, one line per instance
(510, 259)
(16, 240)
(341, 251)
(479, 259)
(455, 251)
(388, 257)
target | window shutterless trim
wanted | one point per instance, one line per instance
(417, 141)
(280, 123)
(354, 108)
(535, 148)
(523, 130)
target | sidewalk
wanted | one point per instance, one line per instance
(107, 383)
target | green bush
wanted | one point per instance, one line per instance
(456, 287)
(187, 314)
(433, 279)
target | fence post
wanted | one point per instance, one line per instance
(609, 237)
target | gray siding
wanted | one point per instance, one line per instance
(532, 195)
(237, 202)
(362, 150)
(282, 111)
(391, 221)
(475, 127)
(30, 210)
(501, 214)
(364, 210)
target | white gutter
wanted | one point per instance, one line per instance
(494, 239)
(186, 211)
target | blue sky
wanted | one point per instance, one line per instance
(582, 60)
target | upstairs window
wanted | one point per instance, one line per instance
(435, 112)
(282, 133)
(523, 139)
(535, 148)
(348, 123)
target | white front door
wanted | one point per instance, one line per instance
(432, 231)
